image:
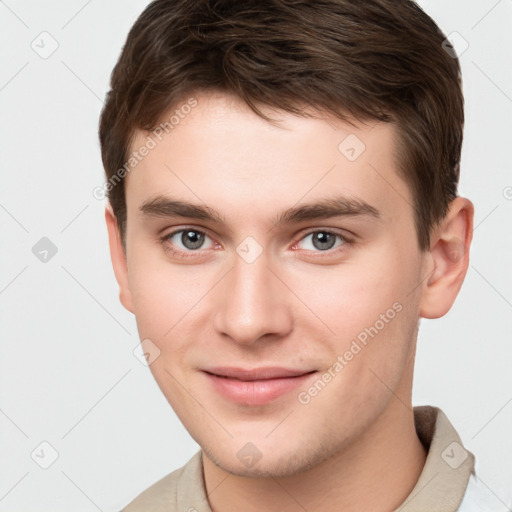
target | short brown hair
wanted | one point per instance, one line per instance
(382, 60)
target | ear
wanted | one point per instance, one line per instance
(118, 257)
(448, 259)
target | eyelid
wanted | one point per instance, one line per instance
(187, 227)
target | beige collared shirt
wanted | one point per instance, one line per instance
(440, 488)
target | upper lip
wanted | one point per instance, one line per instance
(263, 373)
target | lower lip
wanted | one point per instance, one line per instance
(256, 392)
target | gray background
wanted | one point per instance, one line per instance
(68, 375)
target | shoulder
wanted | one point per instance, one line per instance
(164, 495)
(159, 496)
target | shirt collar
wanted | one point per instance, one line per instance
(444, 479)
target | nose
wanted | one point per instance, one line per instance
(252, 302)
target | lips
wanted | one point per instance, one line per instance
(264, 373)
(255, 386)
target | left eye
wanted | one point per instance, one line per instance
(190, 239)
(323, 240)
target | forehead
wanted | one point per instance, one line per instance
(221, 154)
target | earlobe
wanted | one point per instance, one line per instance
(118, 257)
(449, 257)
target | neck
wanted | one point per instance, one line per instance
(377, 471)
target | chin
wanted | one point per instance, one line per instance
(276, 464)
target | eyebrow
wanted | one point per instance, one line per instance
(163, 206)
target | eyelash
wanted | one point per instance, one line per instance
(347, 241)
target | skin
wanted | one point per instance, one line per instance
(296, 306)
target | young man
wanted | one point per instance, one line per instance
(282, 182)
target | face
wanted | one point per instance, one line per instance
(273, 323)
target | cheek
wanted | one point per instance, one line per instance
(165, 298)
(352, 296)
(369, 310)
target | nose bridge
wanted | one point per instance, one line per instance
(252, 303)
